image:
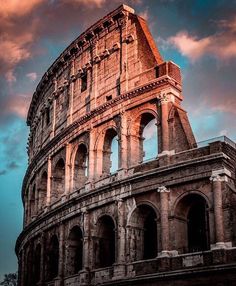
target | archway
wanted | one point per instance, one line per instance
(53, 258)
(110, 152)
(58, 180)
(81, 166)
(42, 191)
(105, 247)
(192, 221)
(74, 257)
(143, 233)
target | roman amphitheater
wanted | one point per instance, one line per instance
(98, 209)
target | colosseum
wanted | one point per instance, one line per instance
(99, 209)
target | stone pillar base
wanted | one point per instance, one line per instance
(167, 253)
(119, 271)
(221, 245)
(84, 277)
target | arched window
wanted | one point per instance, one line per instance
(192, 221)
(198, 226)
(58, 180)
(43, 190)
(74, 261)
(110, 152)
(143, 233)
(81, 166)
(36, 264)
(148, 137)
(33, 201)
(105, 247)
(53, 258)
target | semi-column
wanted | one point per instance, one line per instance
(61, 254)
(218, 212)
(164, 200)
(68, 169)
(49, 179)
(164, 123)
(86, 240)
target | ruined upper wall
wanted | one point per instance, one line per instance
(110, 58)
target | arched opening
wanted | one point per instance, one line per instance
(81, 166)
(43, 190)
(110, 152)
(58, 180)
(148, 137)
(74, 261)
(192, 220)
(53, 258)
(37, 264)
(33, 201)
(142, 233)
(105, 247)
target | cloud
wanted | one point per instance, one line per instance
(9, 8)
(144, 14)
(2, 172)
(221, 45)
(87, 3)
(12, 165)
(32, 76)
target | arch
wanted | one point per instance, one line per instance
(42, 191)
(192, 221)
(110, 160)
(80, 172)
(58, 180)
(36, 263)
(143, 136)
(105, 243)
(142, 233)
(53, 258)
(74, 255)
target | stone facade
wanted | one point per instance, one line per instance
(166, 221)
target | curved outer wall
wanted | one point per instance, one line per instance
(84, 225)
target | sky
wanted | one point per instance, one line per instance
(199, 36)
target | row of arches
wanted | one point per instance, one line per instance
(146, 148)
(142, 238)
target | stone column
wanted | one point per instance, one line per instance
(26, 210)
(29, 205)
(92, 162)
(49, 181)
(218, 212)
(164, 200)
(119, 267)
(123, 142)
(54, 109)
(72, 88)
(22, 269)
(164, 123)
(67, 168)
(86, 240)
(42, 259)
(61, 254)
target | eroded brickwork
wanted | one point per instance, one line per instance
(171, 219)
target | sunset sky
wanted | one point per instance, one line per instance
(199, 36)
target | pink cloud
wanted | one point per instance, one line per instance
(18, 105)
(221, 45)
(32, 76)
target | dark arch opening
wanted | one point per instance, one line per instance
(192, 220)
(81, 166)
(198, 233)
(148, 137)
(74, 261)
(105, 251)
(110, 152)
(143, 233)
(43, 190)
(37, 264)
(53, 258)
(59, 180)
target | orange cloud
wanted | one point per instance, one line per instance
(10, 8)
(222, 45)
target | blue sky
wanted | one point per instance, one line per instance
(200, 36)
